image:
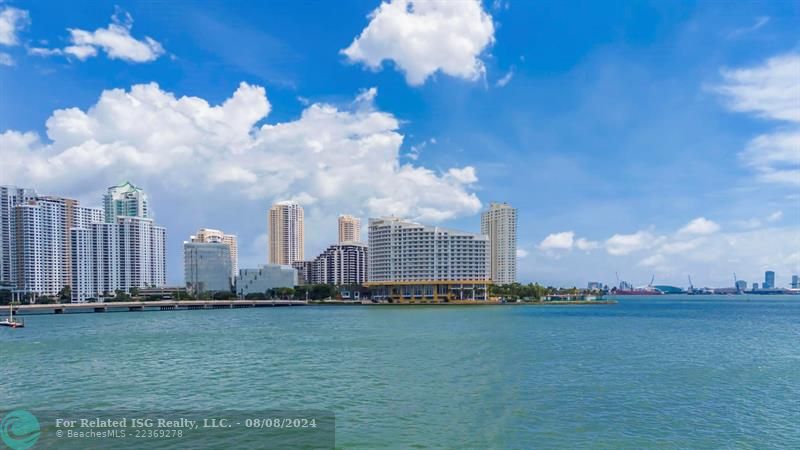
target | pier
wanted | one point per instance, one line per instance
(161, 305)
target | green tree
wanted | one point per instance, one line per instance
(223, 295)
(5, 296)
(65, 294)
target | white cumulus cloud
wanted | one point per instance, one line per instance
(115, 40)
(585, 244)
(335, 158)
(558, 241)
(623, 244)
(771, 91)
(700, 225)
(426, 36)
(11, 21)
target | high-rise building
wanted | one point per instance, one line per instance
(142, 253)
(125, 200)
(755, 286)
(207, 267)
(285, 231)
(349, 228)
(127, 251)
(409, 261)
(795, 282)
(769, 280)
(108, 257)
(211, 235)
(96, 266)
(43, 247)
(10, 197)
(499, 223)
(340, 264)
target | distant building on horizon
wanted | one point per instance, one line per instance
(594, 285)
(285, 233)
(212, 235)
(795, 282)
(769, 280)
(741, 285)
(499, 223)
(755, 286)
(349, 228)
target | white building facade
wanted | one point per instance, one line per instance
(409, 261)
(43, 240)
(117, 256)
(499, 223)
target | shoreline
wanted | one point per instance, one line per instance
(187, 305)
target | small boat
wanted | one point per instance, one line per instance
(12, 322)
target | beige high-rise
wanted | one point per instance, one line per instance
(210, 235)
(499, 222)
(349, 228)
(285, 232)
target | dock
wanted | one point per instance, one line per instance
(161, 305)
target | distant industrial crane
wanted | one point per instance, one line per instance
(691, 286)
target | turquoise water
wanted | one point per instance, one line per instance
(670, 372)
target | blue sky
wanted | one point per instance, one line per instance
(634, 137)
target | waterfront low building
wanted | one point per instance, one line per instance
(261, 280)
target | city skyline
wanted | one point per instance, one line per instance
(630, 139)
(91, 221)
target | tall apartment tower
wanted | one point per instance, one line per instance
(499, 222)
(126, 251)
(44, 260)
(285, 233)
(210, 235)
(125, 200)
(127, 254)
(349, 228)
(10, 197)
